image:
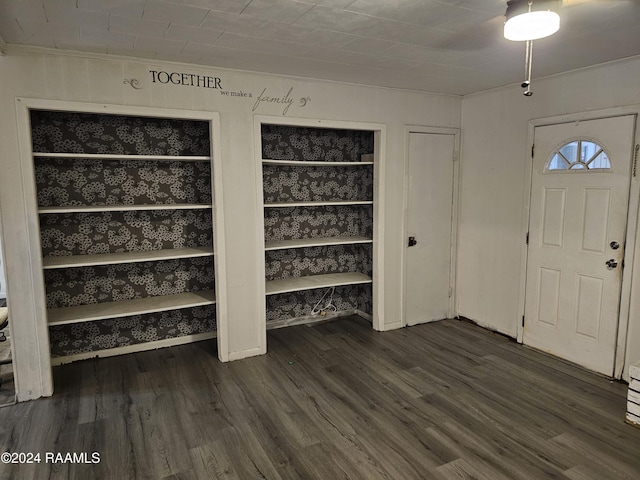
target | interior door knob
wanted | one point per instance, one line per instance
(611, 263)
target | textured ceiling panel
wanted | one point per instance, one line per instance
(445, 46)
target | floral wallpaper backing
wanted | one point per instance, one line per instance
(111, 283)
(70, 132)
(300, 262)
(281, 142)
(74, 182)
(89, 181)
(117, 232)
(295, 223)
(311, 183)
(300, 304)
(120, 332)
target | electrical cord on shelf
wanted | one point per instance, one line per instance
(328, 306)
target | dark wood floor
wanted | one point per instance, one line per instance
(445, 400)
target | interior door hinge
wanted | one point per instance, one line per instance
(533, 146)
(527, 239)
(635, 160)
(523, 320)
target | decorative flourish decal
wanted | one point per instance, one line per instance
(133, 82)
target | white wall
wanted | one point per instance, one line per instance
(3, 282)
(96, 79)
(494, 158)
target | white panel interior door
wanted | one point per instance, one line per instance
(429, 210)
(577, 228)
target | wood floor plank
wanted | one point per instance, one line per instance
(229, 457)
(460, 469)
(603, 453)
(458, 449)
(334, 400)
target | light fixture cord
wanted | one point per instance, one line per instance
(528, 60)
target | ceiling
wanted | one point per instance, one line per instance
(444, 46)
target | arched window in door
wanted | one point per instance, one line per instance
(579, 155)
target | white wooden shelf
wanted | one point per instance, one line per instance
(71, 261)
(317, 204)
(109, 156)
(303, 163)
(295, 284)
(136, 347)
(127, 308)
(314, 242)
(123, 208)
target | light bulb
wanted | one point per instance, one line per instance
(532, 25)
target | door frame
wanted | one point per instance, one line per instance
(630, 235)
(409, 129)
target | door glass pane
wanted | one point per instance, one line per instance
(600, 161)
(570, 151)
(558, 163)
(583, 155)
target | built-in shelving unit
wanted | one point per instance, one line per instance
(126, 207)
(318, 198)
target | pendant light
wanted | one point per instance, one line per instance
(529, 20)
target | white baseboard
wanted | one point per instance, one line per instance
(252, 352)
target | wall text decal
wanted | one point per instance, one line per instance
(286, 100)
(205, 81)
(185, 79)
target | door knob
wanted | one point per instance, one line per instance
(614, 245)
(611, 263)
(412, 241)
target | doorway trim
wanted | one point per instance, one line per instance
(630, 236)
(409, 129)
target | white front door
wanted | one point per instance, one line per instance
(577, 225)
(429, 210)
